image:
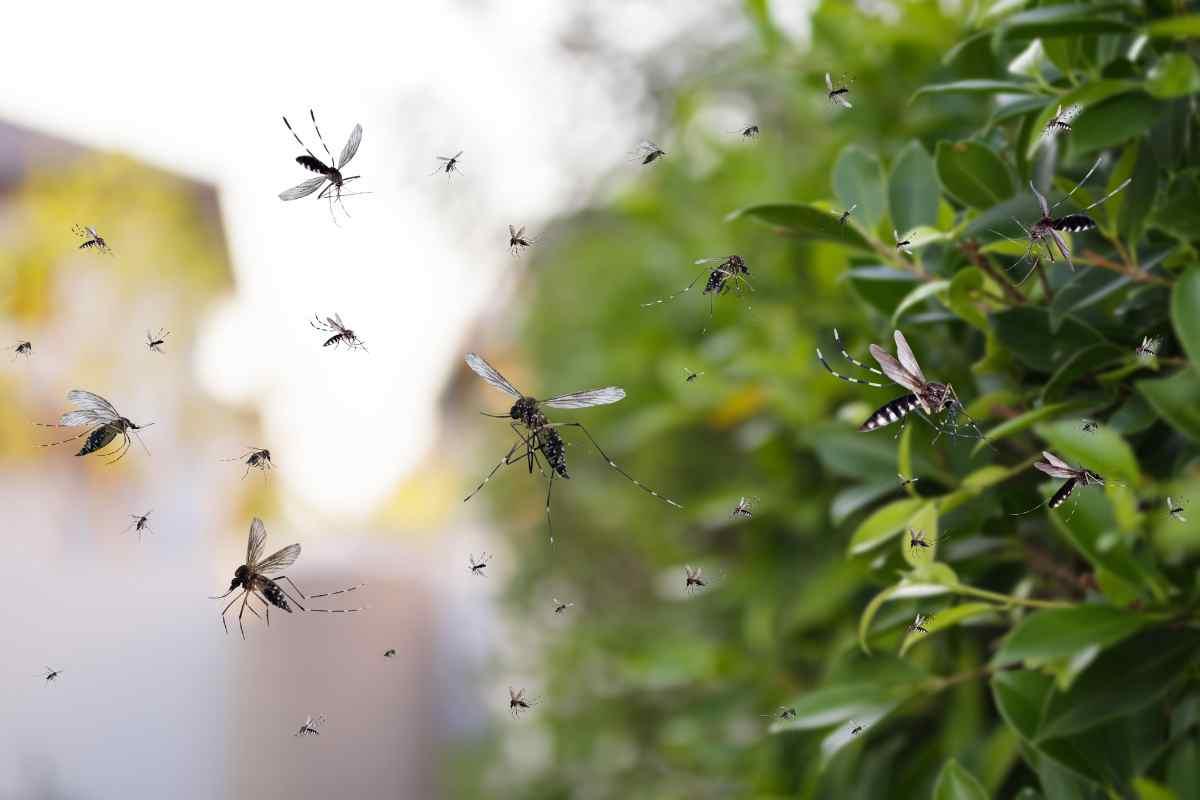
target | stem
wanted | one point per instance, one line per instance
(1009, 600)
(1092, 258)
(971, 249)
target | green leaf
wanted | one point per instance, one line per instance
(1070, 19)
(1184, 26)
(1149, 790)
(973, 174)
(947, 618)
(905, 589)
(917, 296)
(1085, 96)
(1020, 696)
(884, 524)
(1085, 288)
(803, 222)
(1178, 209)
(1175, 75)
(1025, 331)
(976, 86)
(924, 520)
(1113, 121)
(956, 783)
(958, 299)
(834, 705)
(882, 287)
(1088, 361)
(1174, 399)
(1028, 420)
(1185, 313)
(858, 178)
(1056, 633)
(1104, 451)
(913, 190)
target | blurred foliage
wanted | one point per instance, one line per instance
(1060, 660)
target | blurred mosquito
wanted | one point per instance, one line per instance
(517, 703)
(744, 508)
(694, 579)
(255, 458)
(730, 272)
(855, 728)
(478, 567)
(156, 341)
(1176, 511)
(91, 239)
(1055, 467)
(903, 245)
(916, 538)
(1089, 426)
(649, 152)
(783, 712)
(691, 376)
(918, 624)
(341, 334)
(389, 653)
(839, 94)
(331, 172)
(517, 240)
(104, 424)
(52, 674)
(930, 397)
(141, 523)
(1061, 121)
(560, 607)
(538, 436)
(906, 481)
(448, 165)
(845, 215)
(1148, 349)
(749, 132)
(254, 580)
(23, 349)
(310, 726)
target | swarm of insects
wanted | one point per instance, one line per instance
(330, 173)
(254, 458)
(649, 152)
(449, 164)
(690, 376)
(903, 243)
(518, 704)
(693, 579)
(1148, 349)
(479, 565)
(517, 240)
(744, 508)
(23, 349)
(254, 579)
(1175, 510)
(845, 215)
(91, 239)
(729, 273)
(783, 712)
(103, 422)
(1089, 426)
(560, 607)
(341, 334)
(1055, 467)
(141, 523)
(311, 725)
(918, 624)
(52, 674)
(538, 438)
(1061, 121)
(838, 95)
(156, 341)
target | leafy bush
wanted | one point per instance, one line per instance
(1060, 660)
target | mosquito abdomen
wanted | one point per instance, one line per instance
(1073, 223)
(98, 439)
(716, 281)
(276, 596)
(1062, 494)
(555, 452)
(894, 411)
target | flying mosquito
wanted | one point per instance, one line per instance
(23, 349)
(1055, 467)
(918, 624)
(255, 458)
(1148, 349)
(906, 481)
(517, 240)
(845, 215)
(838, 95)
(783, 712)
(916, 538)
(389, 653)
(104, 424)
(1061, 121)
(91, 239)
(694, 579)
(691, 376)
(310, 726)
(538, 436)
(749, 132)
(52, 674)
(517, 703)
(478, 566)
(1089, 426)
(730, 273)
(254, 581)
(744, 508)
(331, 173)
(560, 607)
(1176, 511)
(341, 334)
(156, 341)
(931, 398)
(141, 523)
(855, 728)
(903, 245)
(448, 165)
(649, 152)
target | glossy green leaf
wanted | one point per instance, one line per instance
(1020, 696)
(1113, 121)
(885, 524)
(926, 520)
(1178, 208)
(973, 174)
(803, 222)
(1028, 419)
(918, 296)
(976, 86)
(1184, 26)
(956, 783)
(960, 296)
(1147, 789)
(858, 179)
(913, 189)
(1174, 399)
(1089, 361)
(1026, 333)
(1070, 19)
(905, 589)
(946, 618)
(1061, 632)
(1085, 97)
(1185, 313)
(1175, 75)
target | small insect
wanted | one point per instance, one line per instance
(906, 481)
(156, 341)
(52, 674)
(916, 538)
(918, 624)
(517, 240)
(331, 173)
(730, 273)
(23, 349)
(310, 726)
(1055, 467)
(560, 607)
(390, 653)
(1061, 121)
(903, 245)
(141, 523)
(1148, 349)
(1089, 426)
(649, 152)
(478, 566)
(783, 712)
(839, 94)
(104, 424)
(930, 397)
(846, 214)
(255, 458)
(856, 728)
(691, 376)
(91, 239)
(744, 508)
(1176, 511)
(517, 702)
(341, 334)
(254, 579)
(694, 579)
(448, 165)
(539, 437)
(750, 131)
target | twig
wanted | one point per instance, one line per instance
(1094, 259)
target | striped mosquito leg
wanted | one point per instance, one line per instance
(891, 412)
(339, 591)
(851, 358)
(321, 138)
(684, 290)
(612, 463)
(64, 441)
(296, 136)
(549, 522)
(837, 374)
(504, 462)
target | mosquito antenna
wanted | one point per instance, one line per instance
(139, 438)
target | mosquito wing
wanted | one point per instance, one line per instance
(891, 368)
(514, 695)
(92, 408)
(1041, 200)
(592, 397)
(828, 83)
(254, 544)
(351, 147)
(512, 232)
(279, 560)
(486, 371)
(1055, 460)
(841, 100)
(1054, 470)
(520, 231)
(907, 359)
(302, 189)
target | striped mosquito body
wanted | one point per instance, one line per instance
(839, 95)
(1089, 426)
(918, 624)
(749, 132)
(518, 241)
(262, 579)
(539, 439)
(729, 274)
(1175, 510)
(1148, 349)
(1075, 477)
(744, 508)
(23, 349)
(1061, 121)
(140, 524)
(856, 728)
(254, 458)
(449, 164)
(341, 334)
(649, 152)
(91, 239)
(693, 579)
(103, 423)
(311, 726)
(330, 177)
(478, 566)
(156, 341)
(518, 704)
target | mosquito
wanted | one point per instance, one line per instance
(694, 580)
(560, 607)
(517, 240)
(648, 152)
(156, 341)
(1089, 426)
(1148, 349)
(845, 215)
(916, 538)
(1176, 511)
(517, 702)
(918, 624)
(906, 481)
(449, 165)
(538, 436)
(331, 173)
(903, 245)
(478, 566)
(749, 132)
(254, 580)
(783, 712)
(341, 334)
(856, 728)
(91, 239)
(389, 653)
(141, 523)
(104, 424)
(1055, 467)
(23, 349)
(838, 95)
(691, 376)
(310, 726)
(255, 458)
(931, 398)
(744, 508)
(729, 273)
(1061, 121)
(52, 674)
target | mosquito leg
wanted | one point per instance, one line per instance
(549, 488)
(346, 590)
(612, 463)
(504, 462)
(293, 583)
(64, 441)
(837, 374)
(684, 290)
(297, 138)
(226, 610)
(320, 137)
